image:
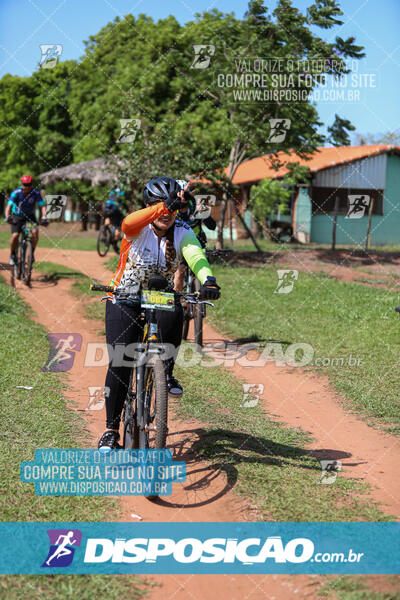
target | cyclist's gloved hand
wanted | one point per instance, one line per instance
(174, 202)
(210, 290)
(9, 219)
(44, 222)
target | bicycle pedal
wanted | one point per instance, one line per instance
(150, 428)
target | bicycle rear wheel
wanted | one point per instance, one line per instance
(103, 240)
(27, 263)
(198, 318)
(154, 434)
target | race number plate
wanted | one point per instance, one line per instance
(158, 300)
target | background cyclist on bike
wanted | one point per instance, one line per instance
(112, 212)
(187, 214)
(20, 209)
(153, 244)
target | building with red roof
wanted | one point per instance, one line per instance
(346, 180)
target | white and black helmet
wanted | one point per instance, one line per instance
(159, 189)
(182, 182)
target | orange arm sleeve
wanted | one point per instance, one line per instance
(133, 224)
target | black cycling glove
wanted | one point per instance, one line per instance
(9, 219)
(173, 202)
(210, 290)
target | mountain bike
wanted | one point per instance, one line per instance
(145, 412)
(105, 239)
(22, 268)
(197, 312)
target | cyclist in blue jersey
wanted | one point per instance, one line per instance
(112, 212)
(20, 209)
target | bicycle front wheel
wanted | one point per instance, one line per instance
(198, 318)
(18, 264)
(131, 429)
(103, 240)
(27, 262)
(154, 433)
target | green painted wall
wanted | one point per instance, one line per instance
(385, 229)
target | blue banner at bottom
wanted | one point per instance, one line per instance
(200, 548)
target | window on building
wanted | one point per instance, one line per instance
(324, 198)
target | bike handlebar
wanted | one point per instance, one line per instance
(109, 289)
(102, 288)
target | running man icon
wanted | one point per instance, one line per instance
(61, 551)
(63, 347)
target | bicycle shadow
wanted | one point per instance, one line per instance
(224, 450)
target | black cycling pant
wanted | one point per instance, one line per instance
(19, 222)
(116, 217)
(123, 327)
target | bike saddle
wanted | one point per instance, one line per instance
(157, 282)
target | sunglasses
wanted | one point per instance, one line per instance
(26, 185)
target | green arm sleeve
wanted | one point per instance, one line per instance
(195, 257)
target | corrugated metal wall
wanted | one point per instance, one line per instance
(361, 174)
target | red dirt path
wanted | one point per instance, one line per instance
(297, 398)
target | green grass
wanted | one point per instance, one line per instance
(46, 240)
(373, 281)
(33, 419)
(112, 263)
(353, 588)
(265, 462)
(338, 319)
(70, 587)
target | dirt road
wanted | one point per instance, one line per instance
(298, 399)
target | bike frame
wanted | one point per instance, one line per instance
(24, 237)
(142, 372)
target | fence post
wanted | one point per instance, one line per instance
(336, 210)
(368, 236)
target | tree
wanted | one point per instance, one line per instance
(267, 198)
(338, 131)
(245, 127)
(390, 137)
(273, 195)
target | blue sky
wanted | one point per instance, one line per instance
(24, 24)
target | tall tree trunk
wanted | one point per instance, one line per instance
(243, 222)
(221, 223)
(230, 218)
